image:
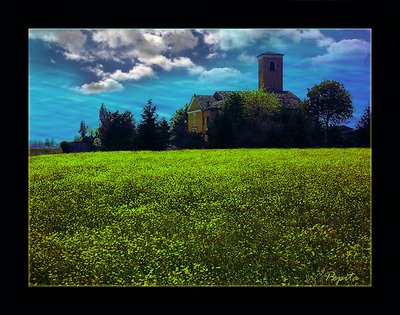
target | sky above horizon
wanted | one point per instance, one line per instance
(73, 71)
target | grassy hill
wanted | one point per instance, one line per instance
(201, 217)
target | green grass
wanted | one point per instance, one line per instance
(201, 217)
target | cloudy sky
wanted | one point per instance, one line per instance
(73, 71)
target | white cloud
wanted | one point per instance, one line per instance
(168, 64)
(144, 43)
(106, 85)
(243, 57)
(321, 40)
(220, 74)
(228, 39)
(137, 72)
(178, 40)
(344, 50)
(117, 38)
(117, 45)
(196, 69)
(78, 56)
(111, 81)
(97, 70)
(299, 35)
(71, 41)
(212, 55)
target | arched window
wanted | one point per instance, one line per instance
(272, 66)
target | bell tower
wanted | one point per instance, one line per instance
(270, 72)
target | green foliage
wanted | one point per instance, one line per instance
(259, 105)
(163, 130)
(87, 135)
(201, 217)
(150, 136)
(65, 146)
(330, 102)
(116, 131)
(40, 144)
(258, 119)
(363, 129)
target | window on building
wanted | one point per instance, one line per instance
(194, 119)
(272, 66)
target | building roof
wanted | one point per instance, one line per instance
(212, 101)
(207, 102)
(270, 53)
(288, 99)
(221, 95)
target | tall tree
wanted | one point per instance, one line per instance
(229, 123)
(117, 130)
(330, 103)
(87, 134)
(363, 128)
(148, 135)
(179, 126)
(164, 133)
(246, 119)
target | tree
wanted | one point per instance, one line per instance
(330, 103)
(220, 132)
(116, 131)
(363, 128)
(148, 135)
(65, 146)
(164, 133)
(225, 130)
(247, 119)
(179, 134)
(297, 127)
(83, 129)
(179, 126)
(261, 114)
(87, 134)
(47, 143)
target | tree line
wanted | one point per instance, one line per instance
(246, 119)
(118, 131)
(259, 119)
(46, 143)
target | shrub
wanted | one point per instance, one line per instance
(65, 146)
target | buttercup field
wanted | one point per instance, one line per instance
(201, 217)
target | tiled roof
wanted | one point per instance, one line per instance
(220, 95)
(212, 101)
(288, 99)
(207, 102)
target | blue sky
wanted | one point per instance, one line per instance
(73, 71)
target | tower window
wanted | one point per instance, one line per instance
(272, 66)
